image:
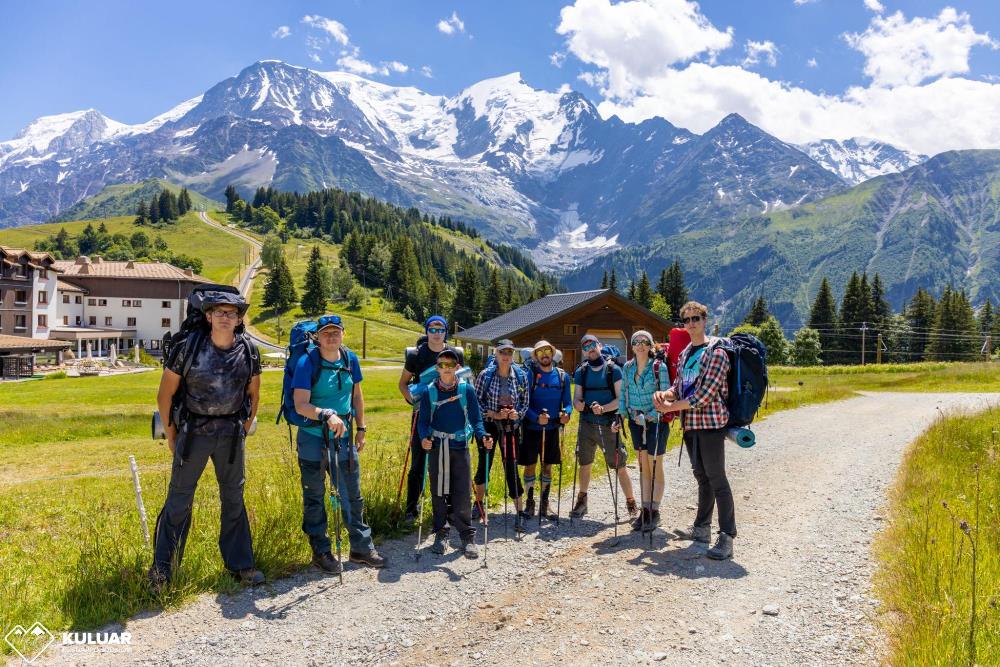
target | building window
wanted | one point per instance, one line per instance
(131, 322)
(165, 322)
(91, 302)
(78, 299)
(43, 273)
(165, 304)
(137, 303)
(65, 298)
(107, 321)
(79, 320)
(102, 302)
(20, 323)
(570, 329)
(43, 297)
(66, 320)
(20, 297)
(92, 320)
(43, 321)
(126, 303)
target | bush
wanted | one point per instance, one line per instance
(357, 297)
(806, 348)
(58, 375)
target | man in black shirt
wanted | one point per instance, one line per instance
(415, 363)
(217, 373)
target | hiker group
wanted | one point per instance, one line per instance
(516, 409)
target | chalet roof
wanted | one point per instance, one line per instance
(28, 343)
(83, 267)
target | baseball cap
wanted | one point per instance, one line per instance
(329, 321)
(589, 337)
(447, 352)
(506, 344)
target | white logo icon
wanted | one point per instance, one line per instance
(31, 642)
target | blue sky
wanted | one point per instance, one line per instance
(785, 62)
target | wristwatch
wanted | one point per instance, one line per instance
(362, 429)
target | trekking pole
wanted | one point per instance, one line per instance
(642, 480)
(506, 489)
(652, 480)
(334, 467)
(576, 466)
(420, 499)
(406, 462)
(611, 487)
(559, 495)
(546, 413)
(483, 504)
(513, 443)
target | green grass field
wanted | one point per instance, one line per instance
(220, 252)
(939, 572)
(70, 537)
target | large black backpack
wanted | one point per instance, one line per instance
(747, 376)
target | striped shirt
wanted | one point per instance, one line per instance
(637, 395)
(709, 392)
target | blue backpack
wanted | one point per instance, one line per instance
(460, 394)
(747, 378)
(301, 341)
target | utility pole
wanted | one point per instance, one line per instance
(864, 330)
(987, 350)
(364, 339)
(715, 329)
(878, 350)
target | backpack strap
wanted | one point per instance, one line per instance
(461, 391)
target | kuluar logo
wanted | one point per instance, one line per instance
(29, 643)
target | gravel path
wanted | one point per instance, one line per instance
(809, 501)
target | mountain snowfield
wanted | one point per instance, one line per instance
(540, 169)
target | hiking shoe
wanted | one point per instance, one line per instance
(701, 534)
(529, 506)
(520, 522)
(438, 546)
(327, 563)
(631, 507)
(410, 520)
(543, 508)
(580, 508)
(722, 549)
(158, 580)
(641, 522)
(250, 576)
(470, 550)
(477, 513)
(653, 521)
(371, 559)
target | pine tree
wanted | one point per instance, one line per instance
(613, 280)
(279, 292)
(141, 213)
(231, 197)
(758, 313)
(986, 318)
(154, 209)
(184, 202)
(317, 284)
(604, 280)
(823, 320)
(168, 205)
(954, 337)
(920, 314)
(643, 292)
(672, 288)
(435, 295)
(467, 294)
(881, 310)
(631, 290)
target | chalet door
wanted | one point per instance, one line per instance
(569, 361)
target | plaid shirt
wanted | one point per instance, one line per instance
(708, 400)
(637, 396)
(489, 396)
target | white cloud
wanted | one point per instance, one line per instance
(756, 51)
(398, 67)
(636, 41)
(875, 6)
(427, 71)
(355, 65)
(558, 58)
(805, 2)
(315, 58)
(812, 63)
(335, 29)
(640, 79)
(281, 32)
(900, 52)
(451, 25)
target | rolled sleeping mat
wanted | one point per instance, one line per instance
(158, 432)
(743, 437)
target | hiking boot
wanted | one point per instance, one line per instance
(580, 508)
(701, 534)
(477, 513)
(722, 549)
(529, 506)
(520, 522)
(410, 520)
(641, 522)
(158, 580)
(370, 558)
(438, 546)
(327, 563)
(470, 550)
(250, 576)
(543, 508)
(653, 521)
(631, 507)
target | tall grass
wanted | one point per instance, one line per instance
(939, 560)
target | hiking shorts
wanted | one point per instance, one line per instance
(531, 447)
(591, 436)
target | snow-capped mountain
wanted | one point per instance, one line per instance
(538, 168)
(859, 159)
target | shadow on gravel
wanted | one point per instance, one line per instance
(688, 561)
(248, 602)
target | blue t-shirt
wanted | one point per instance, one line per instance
(595, 388)
(333, 389)
(548, 393)
(449, 416)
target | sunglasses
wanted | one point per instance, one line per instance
(447, 364)
(693, 318)
(437, 330)
(587, 347)
(506, 353)
(544, 351)
(226, 314)
(641, 341)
